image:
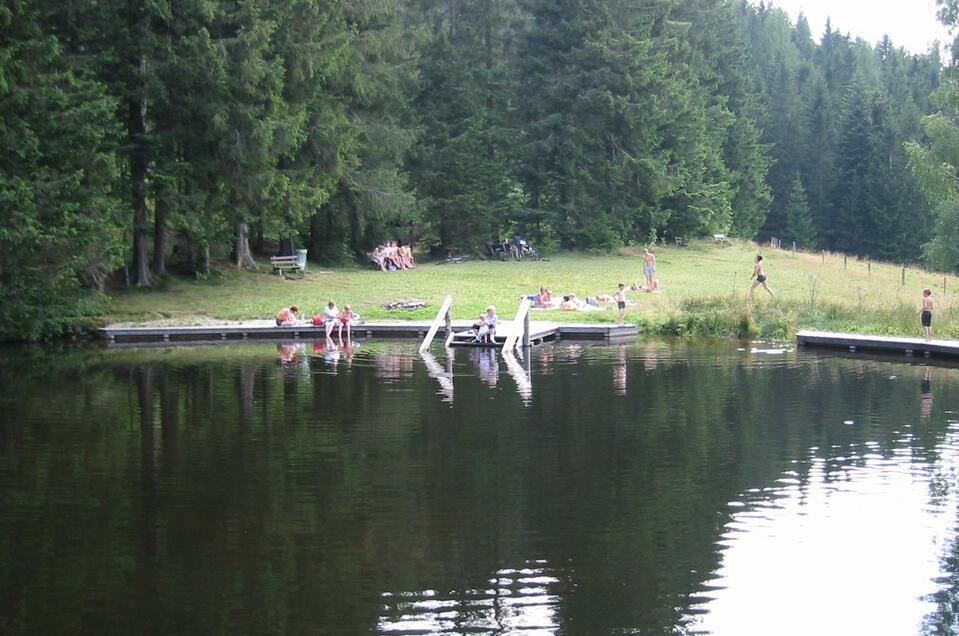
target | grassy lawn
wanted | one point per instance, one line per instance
(705, 292)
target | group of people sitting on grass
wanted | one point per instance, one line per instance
(392, 256)
(331, 318)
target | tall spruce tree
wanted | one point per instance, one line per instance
(800, 228)
(60, 225)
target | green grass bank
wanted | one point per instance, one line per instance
(704, 293)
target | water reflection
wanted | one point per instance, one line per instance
(925, 402)
(394, 363)
(486, 360)
(619, 371)
(443, 376)
(665, 487)
(520, 374)
(521, 600)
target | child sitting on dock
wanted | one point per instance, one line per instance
(345, 318)
(491, 320)
(480, 328)
(287, 317)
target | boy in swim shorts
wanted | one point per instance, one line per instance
(620, 298)
(925, 314)
(649, 267)
(760, 276)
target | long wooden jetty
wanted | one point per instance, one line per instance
(266, 330)
(891, 344)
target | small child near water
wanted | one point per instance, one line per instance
(620, 298)
(925, 314)
(481, 328)
(345, 318)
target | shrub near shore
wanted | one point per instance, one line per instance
(705, 293)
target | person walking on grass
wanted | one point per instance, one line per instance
(925, 314)
(620, 298)
(760, 275)
(649, 267)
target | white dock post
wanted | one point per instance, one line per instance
(520, 319)
(526, 330)
(440, 315)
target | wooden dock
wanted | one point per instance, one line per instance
(266, 330)
(889, 344)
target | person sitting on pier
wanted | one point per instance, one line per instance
(287, 317)
(480, 328)
(491, 320)
(345, 319)
(330, 315)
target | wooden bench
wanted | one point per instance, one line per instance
(720, 238)
(295, 263)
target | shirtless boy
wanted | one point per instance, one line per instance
(620, 298)
(926, 313)
(760, 275)
(649, 267)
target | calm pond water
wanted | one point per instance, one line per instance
(661, 487)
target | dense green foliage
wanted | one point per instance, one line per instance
(142, 132)
(936, 163)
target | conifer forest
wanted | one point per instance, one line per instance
(146, 138)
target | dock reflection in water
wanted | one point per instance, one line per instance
(675, 487)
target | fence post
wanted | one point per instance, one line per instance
(903, 283)
(844, 261)
(943, 284)
(869, 266)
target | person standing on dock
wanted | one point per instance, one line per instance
(760, 275)
(649, 268)
(620, 298)
(925, 314)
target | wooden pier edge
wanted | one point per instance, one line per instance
(539, 332)
(861, 342)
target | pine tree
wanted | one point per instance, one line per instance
(800, 228)
(60, 225)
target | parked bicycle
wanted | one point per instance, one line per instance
(516, 248)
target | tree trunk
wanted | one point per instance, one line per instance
(159, 238)
(286, 246)
(258, 237)
(206, 261)
(136, 131)
(244, 258)
(316, 234)
(355, 231)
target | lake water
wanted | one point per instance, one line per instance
(661, 487)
